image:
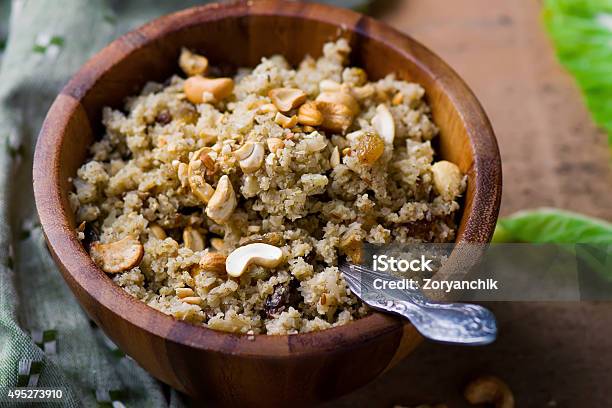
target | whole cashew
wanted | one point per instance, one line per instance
(489, 390)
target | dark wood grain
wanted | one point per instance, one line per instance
(229, 368)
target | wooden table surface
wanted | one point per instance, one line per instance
(551, 354)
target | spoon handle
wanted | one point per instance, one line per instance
(457, 323)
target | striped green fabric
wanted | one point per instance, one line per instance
(46, 339)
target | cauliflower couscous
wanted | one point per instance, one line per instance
(227, 201)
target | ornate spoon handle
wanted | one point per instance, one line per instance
(457, 323)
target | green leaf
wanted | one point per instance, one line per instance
(549, 225)
(595, 258)
(501, 235)
(582, 34)
(553, 226)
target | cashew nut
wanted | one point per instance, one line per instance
(192, 64)
(267, 108)
(285, 121)
(182, 174)
(336, 116)
(328, 85)
(239, 260)
(192, 300)
(193, 239)
(217, 243)
(223, 202)
(256, 104)
(489, 390)
(354, 137)
(208, 161)
(286, 99)
(183, 292)
(383, 124)
(447, 179)
(343, 98)
(213, 262)
(363, 92)
(195, 174)
(117, 256)
(157, 231)
(250, 156)
(309, 115)
(315, 142)
(275, 144)
(334, 159)
(196, 86)
(244, 151)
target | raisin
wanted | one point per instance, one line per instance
(91, 235)
(222, 70)
(284, 296)
(272, 238)
(369, 148)
(163, 118)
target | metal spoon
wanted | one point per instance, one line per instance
(455, 323)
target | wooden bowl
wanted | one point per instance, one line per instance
(228, 368)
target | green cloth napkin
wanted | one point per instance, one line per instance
(46, 339)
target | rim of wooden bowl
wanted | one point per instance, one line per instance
(78, 266)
